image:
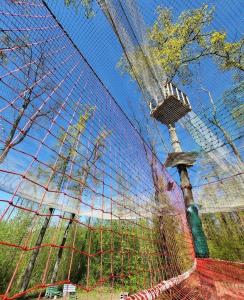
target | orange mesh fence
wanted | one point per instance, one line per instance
(221, 279)
(209, 279)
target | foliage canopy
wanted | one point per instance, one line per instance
(175, 45)
(86, 4)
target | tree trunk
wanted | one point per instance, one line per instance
(232, 145)
(230, 142)
(61, 249)
(7, 146)
(15, 125)
(80, 272)
(30, 267)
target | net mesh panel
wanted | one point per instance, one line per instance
(212, 279)
(216, 129)
(83, 198)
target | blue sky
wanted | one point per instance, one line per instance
(97, 42)
(100, 47)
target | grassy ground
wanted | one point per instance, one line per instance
(100, 294)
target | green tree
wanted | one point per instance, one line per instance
(82, 174)
(232, 98)
(224, 233)
(12, 231)
(175, 45)
(214, 119)
(71, 140)
(86, 4)
(223, 228)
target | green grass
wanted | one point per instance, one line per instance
(102, 293)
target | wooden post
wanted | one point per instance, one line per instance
(183, 98)
(177, 92)
(182, 169)
(194, 221)
(174, 138)
(185, 185)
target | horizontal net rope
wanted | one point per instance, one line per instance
(76, 204)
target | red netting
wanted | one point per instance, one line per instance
(83, 199)
(211, 279)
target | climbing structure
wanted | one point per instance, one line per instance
(84, 200)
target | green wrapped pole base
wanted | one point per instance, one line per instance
(199, 238)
